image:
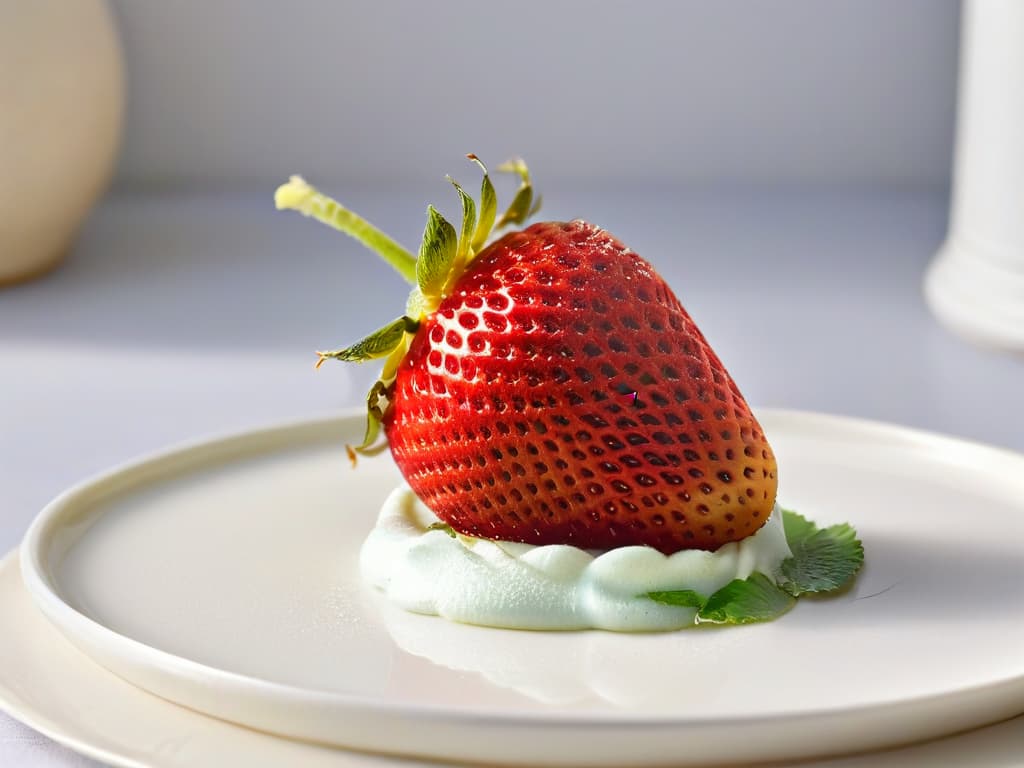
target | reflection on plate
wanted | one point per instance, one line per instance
(224, 577)
(586, 668)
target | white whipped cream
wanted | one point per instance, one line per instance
(556, 586)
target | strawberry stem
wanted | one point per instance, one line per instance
(298, 195)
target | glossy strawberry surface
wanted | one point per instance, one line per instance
(513, 415)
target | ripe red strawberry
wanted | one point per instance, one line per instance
(508, 401)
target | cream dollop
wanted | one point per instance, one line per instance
(555, 586)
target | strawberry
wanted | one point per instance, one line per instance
(550, 388)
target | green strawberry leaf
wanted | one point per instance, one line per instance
(376, 403)
(685, 598)
(488, 209)
(468, 222)
(519, 209)
(517, 166)
(437, 252)
(823, 559)
(380, 343)
(744, 601)
(366, 448)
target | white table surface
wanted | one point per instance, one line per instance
(178, 316)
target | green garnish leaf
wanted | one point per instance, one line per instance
(685, 598)
(745, 601)
(823, 559)
(488, 209)
(380, 343)
(442, 527)
(797, 526)
(741, 601)
(437, 252)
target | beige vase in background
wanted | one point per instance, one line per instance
(61, 101)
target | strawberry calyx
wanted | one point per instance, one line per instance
(443, 257)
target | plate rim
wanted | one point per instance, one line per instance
(181, 458)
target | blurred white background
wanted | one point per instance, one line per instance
(231, 92)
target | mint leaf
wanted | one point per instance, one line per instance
(823, 559)
(745, 601)
(437, 252)
(686, 598)
(797, 526)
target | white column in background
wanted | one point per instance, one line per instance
(976, 283)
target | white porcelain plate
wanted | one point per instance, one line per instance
(223, 576)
